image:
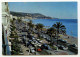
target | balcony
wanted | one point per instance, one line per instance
(6, 48)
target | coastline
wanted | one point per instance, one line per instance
(69, 39)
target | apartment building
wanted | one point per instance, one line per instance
(6, 28)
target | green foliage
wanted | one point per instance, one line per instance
(12, 27)
(12, 22)
(60, 28)
(15, 43)
(51, 31)
(15, 47)
(15, 53)
(39, 26)
(19, 20)
(12, 36)
(41, 38)
(30, 24)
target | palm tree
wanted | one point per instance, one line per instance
(52, 32)
(30, 24)
(39, 26)
(60, 28)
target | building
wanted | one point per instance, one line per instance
(14, 17)
(6, 44)
(28, 17)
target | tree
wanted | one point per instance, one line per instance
(52, 32)
(60, 28)
(19, 20)
(31, 25)
(12, 22)
(39, 26)
(12, 27)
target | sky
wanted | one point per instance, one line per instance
(61, 10)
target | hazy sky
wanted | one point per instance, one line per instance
(62, 10)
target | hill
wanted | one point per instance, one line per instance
(30, 15)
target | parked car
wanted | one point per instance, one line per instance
(39, 44)
(74, 45)
(63, 41)
(39, 49)
(73, 48)
(32, 49)
(21, 53)
(62, 47)
(28, 43)
(33, 37)
(55, 47)
(45, 46)
(41, 35)
(40, 41)
(29, 36)
(44, 36)
(48, 39)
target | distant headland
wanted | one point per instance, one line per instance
(31, 15)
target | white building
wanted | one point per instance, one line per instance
(6, 17)
(6, 22)
(14, 17)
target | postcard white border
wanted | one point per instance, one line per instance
(41, 1)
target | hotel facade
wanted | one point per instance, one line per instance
(6, 17)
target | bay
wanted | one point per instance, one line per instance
(70, 24)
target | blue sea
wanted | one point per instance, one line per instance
(70, 24)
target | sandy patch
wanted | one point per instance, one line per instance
(70, 39)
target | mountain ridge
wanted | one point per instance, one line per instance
(31, 15)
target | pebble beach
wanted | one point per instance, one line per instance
(69, 39)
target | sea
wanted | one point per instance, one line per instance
(70, 24)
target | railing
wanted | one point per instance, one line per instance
(8, 52)
(7, 47)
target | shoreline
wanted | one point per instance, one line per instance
(69, 39)
(70, 36)
(47, 26)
